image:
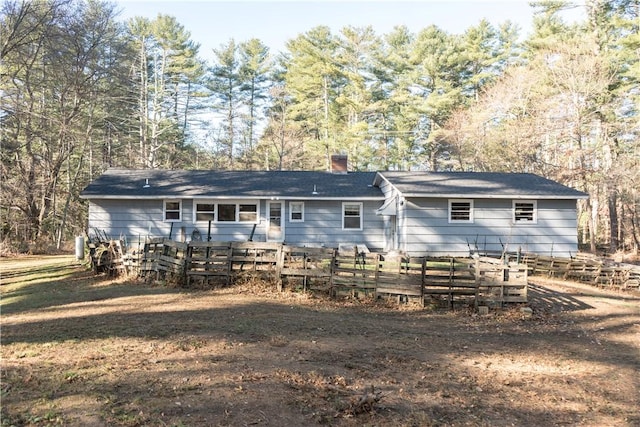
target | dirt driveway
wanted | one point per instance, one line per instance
(80, 350)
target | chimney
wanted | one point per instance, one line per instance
(338, 163)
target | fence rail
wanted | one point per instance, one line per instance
(586, 268)
(488, 281)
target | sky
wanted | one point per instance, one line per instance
(213, 23)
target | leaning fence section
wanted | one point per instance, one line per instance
(585, 268)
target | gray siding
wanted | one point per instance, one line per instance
(131, 220)
(134, 220)
(428, 231)
(322, 226)
(423, 227)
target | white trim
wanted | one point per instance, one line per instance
(361, 209)
(217, 203)
(282, 221)
(257, 220)
(291, 203)
(460, 221)
(164, 210)
(381, 198)
(534, 220)
(491, 197)
(203, 202)
(267, 198)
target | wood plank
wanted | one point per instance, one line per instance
(272, 246)
(210, 245)
(305, 272)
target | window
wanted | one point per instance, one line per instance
(172, 210)
(352, 216)
(248, 213)
(205, 212)
(296, 211)
(460, 210)
(208, 210)
(524, 212)
(227, 212)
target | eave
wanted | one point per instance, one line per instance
(182, 196)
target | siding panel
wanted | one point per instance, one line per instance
(428, 231)
(137, 219)
(322, 226)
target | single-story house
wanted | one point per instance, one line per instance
(419, 213)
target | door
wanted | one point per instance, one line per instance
(275, 223)
(390, 233)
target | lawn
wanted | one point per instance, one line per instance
(86, 350)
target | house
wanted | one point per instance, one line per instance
(455, 213)
(420, 213)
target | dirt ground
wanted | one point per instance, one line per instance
(83, 350)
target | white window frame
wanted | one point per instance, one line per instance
(237, 215)
(292, 211)
(165, 210)
(460, 221)
(257, 212)
(196, 202)
(533, 203)
(361, 210)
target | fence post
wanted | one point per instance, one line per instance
(477, 280)
(279, 263)
(423, 274)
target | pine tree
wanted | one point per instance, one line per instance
(255, 68)
(313, 79)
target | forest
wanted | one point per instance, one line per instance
(83, 90)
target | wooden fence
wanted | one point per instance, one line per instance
(585, 268)
(330, 270)
(483, 280)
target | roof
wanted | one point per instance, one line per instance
(130, 183)
(478, 185)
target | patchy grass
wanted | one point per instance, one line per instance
(82, 350)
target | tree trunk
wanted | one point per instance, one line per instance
(593, 227)
(614, 243)
(143, 103)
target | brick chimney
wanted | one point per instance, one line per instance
(338, 163)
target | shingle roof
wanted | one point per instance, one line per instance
(130, 183)
(127, 183)
(479, 185)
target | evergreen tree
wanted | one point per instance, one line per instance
(166, 68)
(396, 106)
(313, 79)
(440, 73)
(255, 67)
(357, 47)
(225, 83)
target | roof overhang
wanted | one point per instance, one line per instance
(388, 208)
(490, 196)
(182, 196)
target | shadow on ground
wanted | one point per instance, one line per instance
(552, 301)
